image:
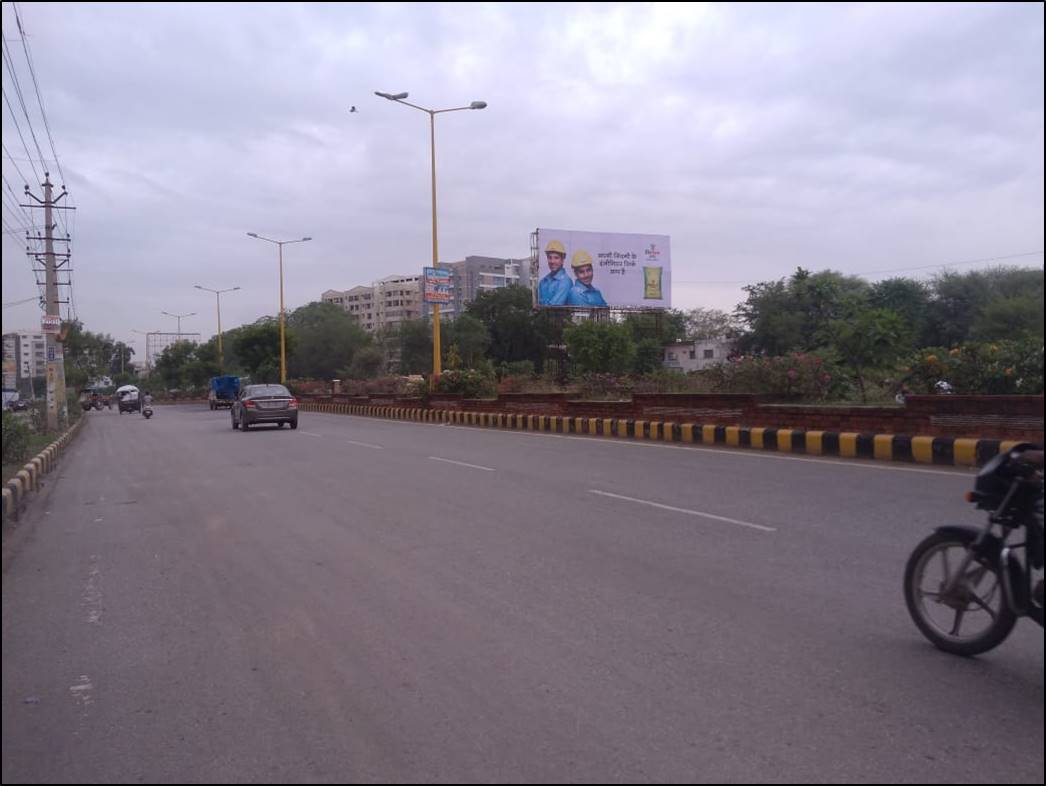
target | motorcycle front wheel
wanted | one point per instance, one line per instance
(974, 616)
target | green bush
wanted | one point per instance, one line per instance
(468, 383)
(807, 376)
(16, 439)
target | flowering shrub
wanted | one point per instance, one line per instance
(985, 368)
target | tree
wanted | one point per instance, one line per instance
(120, 360)
(909, 299)
(709, 323)
(517, 331)
(867, 338)
(792, 316)
(173, 364)
(367, 363)
(600, 347)
(326, 339)
(1011, 318)
(662, 327)
(995, 304)
(258, 348)
(415, 345)
(470, 336)
(649, 356)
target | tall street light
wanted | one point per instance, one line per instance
(218, 298)
(179, 317)
(283, 338)
(399, 99)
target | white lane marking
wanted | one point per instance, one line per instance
(725, 450)
(684, 510)
(310, 434)
(91, 599)
(83, 691)
(462, 463)
(365, 444)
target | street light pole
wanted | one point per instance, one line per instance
(218, 299)
(179, 317)
(283, 336)
(437, 363)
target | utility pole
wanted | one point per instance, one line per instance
(57, 406)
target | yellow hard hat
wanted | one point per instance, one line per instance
(580, 259)
(556, 248)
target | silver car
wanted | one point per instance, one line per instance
(264, 404)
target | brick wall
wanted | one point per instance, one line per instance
(987, 417)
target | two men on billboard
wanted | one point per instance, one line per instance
(556, 288)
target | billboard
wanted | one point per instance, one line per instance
(594, 269)
(437, 286)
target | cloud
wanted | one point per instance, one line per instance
(760, 137)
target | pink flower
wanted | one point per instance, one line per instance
(792, 373)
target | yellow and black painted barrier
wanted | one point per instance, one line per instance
(946, 451)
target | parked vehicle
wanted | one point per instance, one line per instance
(965, 587)
(223, 392)
(264, 404)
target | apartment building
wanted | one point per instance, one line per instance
(385, 304)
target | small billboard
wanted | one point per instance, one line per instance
(437, 286)
(603, 269)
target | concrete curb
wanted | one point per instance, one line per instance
(30, 477)
(941, 451)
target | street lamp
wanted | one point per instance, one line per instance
(399, 99)
(283, 339)
(218, 297)
(179, 317)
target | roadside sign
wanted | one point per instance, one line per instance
(437, 285)
(51, 323)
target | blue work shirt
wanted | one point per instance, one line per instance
(554, 289)
(581, 295)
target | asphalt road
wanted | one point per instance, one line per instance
(370, 600)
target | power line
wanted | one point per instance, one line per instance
(36, 86)
(18, 128)
(9, 157)
(21, 101)
(14, 196)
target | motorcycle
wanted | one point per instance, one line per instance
(965, 587)
(147, 411)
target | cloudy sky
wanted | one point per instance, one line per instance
(862, 138)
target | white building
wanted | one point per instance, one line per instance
(697, 355)
(385, 304)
